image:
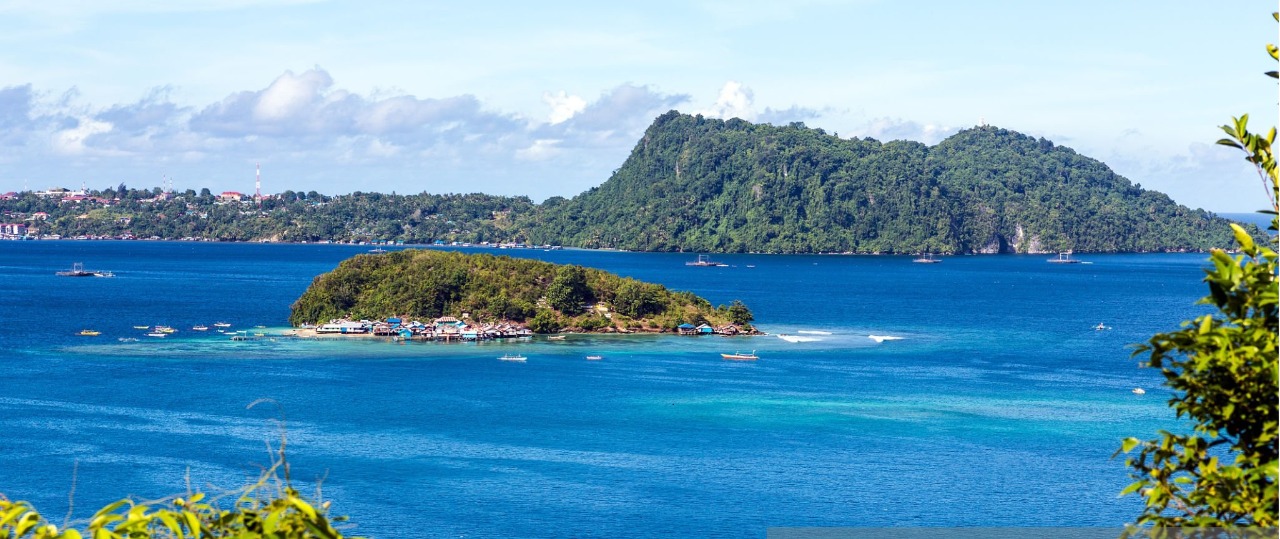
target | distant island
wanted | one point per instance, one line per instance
(502, 293)
(697, 184)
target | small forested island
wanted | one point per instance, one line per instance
(698, 184)
(499, 290)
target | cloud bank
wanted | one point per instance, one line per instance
(320, 134)
(309, 133)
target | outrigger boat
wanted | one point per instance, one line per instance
(513, 357)
(200, 328)
(77, 270)
(1064, 258)
(89, 333)
(705, 261)
(739, 356)
(221, 325)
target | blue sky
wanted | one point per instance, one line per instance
(548, 98)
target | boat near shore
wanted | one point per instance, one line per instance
(1064, 258)
(513, 357)
(705, 261)
(77, 270)
(739, 356)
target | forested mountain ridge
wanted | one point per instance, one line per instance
(699, 184)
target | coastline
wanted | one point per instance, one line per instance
(522, 247)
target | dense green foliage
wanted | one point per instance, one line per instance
(426, 284)
(700, 184)
(1224, 373)
(1222, 368)
(284, 516)
(269, 508)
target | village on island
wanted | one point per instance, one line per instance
(453, 329)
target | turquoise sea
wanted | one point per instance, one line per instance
(1000, 405)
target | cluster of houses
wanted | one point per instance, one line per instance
(706, 329)
(445, 328)
(451, 329)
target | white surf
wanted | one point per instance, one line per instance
(797, 338)
(883, 338)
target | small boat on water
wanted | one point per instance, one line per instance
(141, 327)
(200, 328)
(377, 250)
(1101, 327)
(927, 258)
(221, 325)
(1064, 258)
(556, 338)
(156, 334)
(512, 357)
(595, 358)
(705, 261)
(739, 356)
(77, 270)
(89, 333)
(1139, 391)
(128, 339)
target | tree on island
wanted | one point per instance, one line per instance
(739, 313)
(569, 291)
(1223, 370)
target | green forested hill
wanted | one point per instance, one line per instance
(698, 184)
(426, 284)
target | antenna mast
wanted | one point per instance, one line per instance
(257, 186)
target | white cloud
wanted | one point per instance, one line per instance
(563, 106)
(539, 150)
(734, 101)
(379, 148)
(291, 94)
(887, 129)
(71, 141)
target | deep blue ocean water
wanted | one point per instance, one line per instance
(1000, 405)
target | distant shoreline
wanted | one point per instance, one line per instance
(564, 248)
